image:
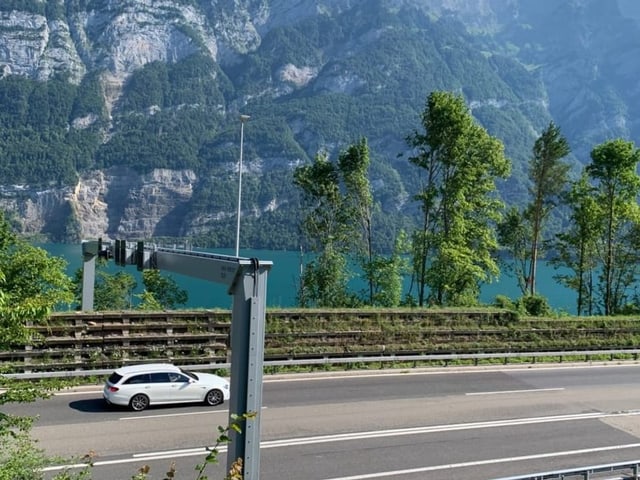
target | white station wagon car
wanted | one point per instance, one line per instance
(139, 386)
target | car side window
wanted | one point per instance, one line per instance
(160, 377)
(143, 378)
(177, 377)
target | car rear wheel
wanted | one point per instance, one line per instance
(214, 397)
(139, 402)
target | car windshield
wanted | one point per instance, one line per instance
(190, 374)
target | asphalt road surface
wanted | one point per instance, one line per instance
(401, 425)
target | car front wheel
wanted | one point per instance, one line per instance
(214, 397)
(139, 402)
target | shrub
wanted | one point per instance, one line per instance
(502, 301)
(535, 305)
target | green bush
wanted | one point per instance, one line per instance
(502, 301)
(535, 305)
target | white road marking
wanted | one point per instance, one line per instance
(163, 415)
(85, 392)
(490, 461)
(182, 453)
(443, 428)
(222, 449)
(530, 390)
(102, 463)
(163, 455)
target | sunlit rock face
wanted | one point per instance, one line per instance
(528, 62)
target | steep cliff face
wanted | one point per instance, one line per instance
(115, 203)
(117, 39)
(37, 211)
(151, 129)
(34, 46)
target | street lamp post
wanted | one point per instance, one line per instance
(243, 119)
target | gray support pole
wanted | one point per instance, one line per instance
(247, 357)
(88, 281)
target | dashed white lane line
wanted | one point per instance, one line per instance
(164, 415)
(79, 392)
(530, 390)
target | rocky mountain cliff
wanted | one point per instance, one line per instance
(121, 118)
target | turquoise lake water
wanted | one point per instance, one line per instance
(283, 280)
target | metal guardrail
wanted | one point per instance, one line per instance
(626, 470)
(446, 359)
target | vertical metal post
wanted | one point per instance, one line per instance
(247, 357)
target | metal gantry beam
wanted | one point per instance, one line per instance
(246, 279)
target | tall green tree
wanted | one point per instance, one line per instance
(353, 166)
(32, 284)
(325, 218)
(513, 235)
(613, 168)
(455, 249)
(328, 227)
(575, 247)
(385, 274)
(111, 291)
(164, 289)
(339, 228)
(325, 281)
(549, 175)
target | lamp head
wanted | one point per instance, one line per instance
(244, 118)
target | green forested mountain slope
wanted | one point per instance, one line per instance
(91, 86)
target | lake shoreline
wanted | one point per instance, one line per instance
(284, 279)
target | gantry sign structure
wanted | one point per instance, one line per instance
(246, 280)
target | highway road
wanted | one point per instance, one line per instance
(402, 425)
